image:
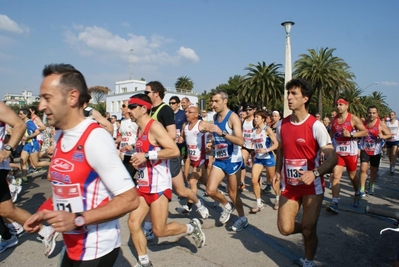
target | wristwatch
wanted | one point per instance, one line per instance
(79, 221)
(147, 156)
(8, 148)
(224, 133)
(352, 134)
(316, 173)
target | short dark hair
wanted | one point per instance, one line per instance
(372, 106)
(176, 98)
(157, 87)
(70, 78)
(304, 85)
(262, 113)
(33, 108)
(25, 111)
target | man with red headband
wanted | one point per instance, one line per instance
(371, 147)
(345, 130)
(154, 148)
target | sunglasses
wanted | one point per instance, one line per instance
(249, 109)
(172, 103)
(132, 106)
(123, 105)
(148, 92)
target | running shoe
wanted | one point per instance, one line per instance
(15, 229)
(198, 235)
(356, 201)
(203, 211)
(333, 207)
(13, 192)
(183, 210)
(392, 170)
(257, 208)
(362, 194)
(225, 216)
(5, 244)
(25, 181)
(240, 224)
(306, 263)
(149, 234)
(18, 181)
(49, 242)
(267, 189)
(371, 190)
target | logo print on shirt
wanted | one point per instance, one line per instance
(80, 147)
(78, 156)
(62, 165)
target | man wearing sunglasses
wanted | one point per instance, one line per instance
(164, 114)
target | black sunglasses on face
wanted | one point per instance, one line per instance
(123, 105)
(132, 106)
(172, 103)
(148, 92)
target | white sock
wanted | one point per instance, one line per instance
(190, 228)
(148, 226)
(258, 201)
(45, 231)
(143, 259)
(277, 198)
(198, 204)
(228, 206)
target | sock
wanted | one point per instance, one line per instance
(335, 199)
(277, 198)
(362, 189)
(258, 201)
(144, 260)
(45, 231)
(371, 185)
(148, 226)
(228, 206)
(190, 228)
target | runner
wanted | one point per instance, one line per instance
(265, 143)
(247, 148)
(228, 138)
(154, 149)
(392, 143)
(91, 187)
(371, 147)
(345, 130)
(301, 139)
(194, 135)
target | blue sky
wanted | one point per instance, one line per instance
(208, 41)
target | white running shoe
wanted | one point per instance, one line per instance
(184, 210)
(49, 242)
(15, 228)
(225, 216)
(13, 192)
(203, 211)
(198, 235)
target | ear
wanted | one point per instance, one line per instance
(305, 99)
(73, 97)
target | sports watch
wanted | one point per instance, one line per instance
(224, 133)
(316, 173)
(79, 221)
(147, 156)
(8, 148)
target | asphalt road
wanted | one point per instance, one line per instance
(349, 239)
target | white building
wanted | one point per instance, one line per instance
(125, 89)
(26, 98)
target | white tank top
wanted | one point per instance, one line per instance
(195, 141)
(247, 128)
(394, 128)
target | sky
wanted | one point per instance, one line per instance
(206, 40)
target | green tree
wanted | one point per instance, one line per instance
(232, 88)
(185, 83)
(377, 99)
(98, 93)
(263, 84)
(356, 103)
(328, 74)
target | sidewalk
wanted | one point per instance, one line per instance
(348, 239)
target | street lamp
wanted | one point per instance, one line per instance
(370, 85)
(288, 71)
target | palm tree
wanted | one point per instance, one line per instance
(356, 106)
(185, 83)
(378, 99)
(325, 72)
(263, 84)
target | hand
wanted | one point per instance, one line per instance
(137, 159)
(180, 140)
(215, 129)
(60, 220)
(4, 154)
(307, 177)
(261, 151)
(34, 223)
(276, 178)
(50, 150)
(346, 133)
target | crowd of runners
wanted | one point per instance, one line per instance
(102, 169)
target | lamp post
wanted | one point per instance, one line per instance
(369, 85)
(288, 71)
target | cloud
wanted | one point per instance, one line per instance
(7, 24)
(188, 53)
(390, 84)
(101, 43)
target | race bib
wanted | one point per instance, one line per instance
(193, 152)
(142, 176)
(221, 151)
(342, 148)
(292, 166)
(67, 197)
